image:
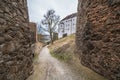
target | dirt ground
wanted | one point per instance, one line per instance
(49, 68)
(64, 50)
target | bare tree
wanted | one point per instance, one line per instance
(50, 21)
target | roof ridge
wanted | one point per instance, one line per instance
(69, 16)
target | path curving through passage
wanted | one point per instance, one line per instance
(51, 68)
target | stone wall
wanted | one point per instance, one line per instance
(15, 41)
(33, 28)
(98, 36)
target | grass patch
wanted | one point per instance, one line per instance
(74, 63)
(61, 56)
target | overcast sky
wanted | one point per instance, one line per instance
(37, 8)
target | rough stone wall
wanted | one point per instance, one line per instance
(15, 40)
(98, 36)
(33, 28)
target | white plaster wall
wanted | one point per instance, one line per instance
(68, 27)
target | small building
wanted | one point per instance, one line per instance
(33, 29)
(67, 26)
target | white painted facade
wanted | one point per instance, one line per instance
(67, 25)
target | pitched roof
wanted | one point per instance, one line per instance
(69, 16)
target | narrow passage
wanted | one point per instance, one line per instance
(50, 68)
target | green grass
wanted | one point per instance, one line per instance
(61, 56)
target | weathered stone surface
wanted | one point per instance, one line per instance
(33, 28)
(2, 40)
(114, 2)
(8, 47)
(98, 36)
(15, 40)
(7, 37)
